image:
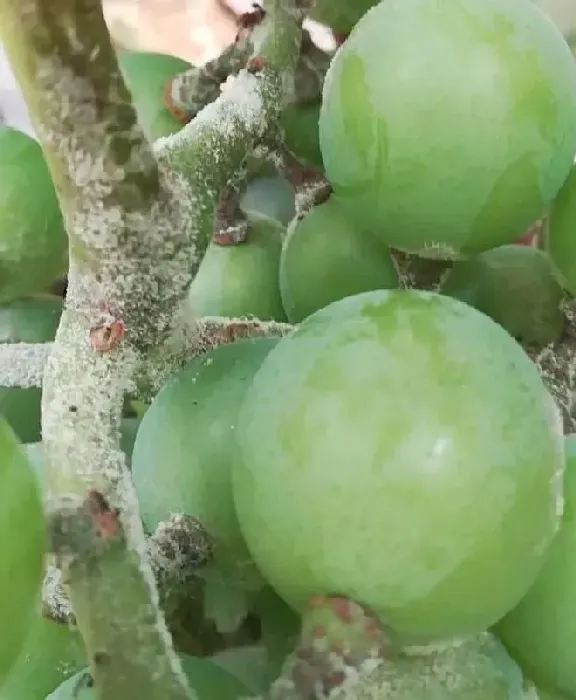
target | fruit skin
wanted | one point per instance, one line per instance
(241, 280)
(380, 455)
(515, 285)
(209, 681)
(560, 239)
(182, 456)
(300, 127)
(269, 198)
(33, 241)
(146, 74)
(477, 668)
(32, 320)
(248, 664)
(493, 87)
(325, 258)
(52, 653)
(340, 15)
(22, 542)
(541, 631)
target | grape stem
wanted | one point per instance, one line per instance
(139, 221)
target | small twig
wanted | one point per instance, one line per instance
(230, 222)
(189, 92)
(23, 364)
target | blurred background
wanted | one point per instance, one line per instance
(196, 30)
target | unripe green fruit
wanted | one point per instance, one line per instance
(448, 127)
(340, 15)
(184, 448)
(300, 127)
(560, 238)
(33, 241)
(401, 449)
(541, 631)
(52, 653)
(146, 74)
(207, 680)
(515, 285)
(22, 543)
(33, 320)
(473, 669)
(325, 258)
(248, 664)
(269, 197)
(548, 695)
(241, 280)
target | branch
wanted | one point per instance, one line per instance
(137, 228)
(23, 364)
(178, 548)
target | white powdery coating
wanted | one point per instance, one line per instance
(240, 107)
(22, 364)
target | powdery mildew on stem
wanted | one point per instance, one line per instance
(138, 226)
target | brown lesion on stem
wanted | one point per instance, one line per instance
(190, 91)
(230, 222)
(337, 637)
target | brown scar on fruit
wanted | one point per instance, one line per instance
(104, 517)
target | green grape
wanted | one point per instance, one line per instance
(269, 197)
(241, 280)
(146, 74)
(540, 632)
(52, 653)
(22, 543)
(449, 127)
(340, 15)
(33, 241)
(400, 448)
(184, 448)
(325, 258)
(514, 285)
(560, 239)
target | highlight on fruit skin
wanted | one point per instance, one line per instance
(516, 286)
(241, 280)
(490, 86)
(33, 240)
(22, 542)
(388, 423)
(325, 257)
(540, 632)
